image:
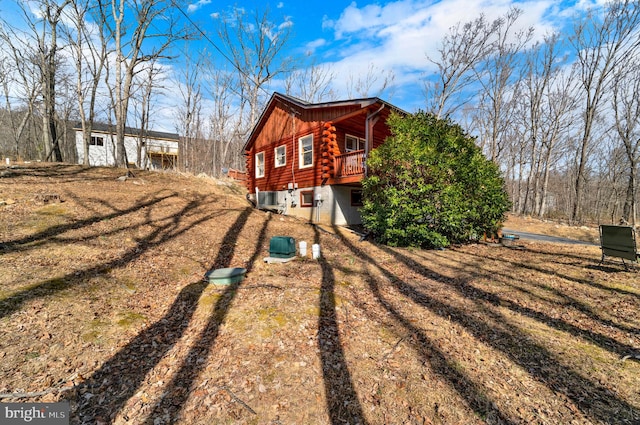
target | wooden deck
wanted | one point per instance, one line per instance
(349, 164)
(348, 168)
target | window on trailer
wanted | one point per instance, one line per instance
(97, 141)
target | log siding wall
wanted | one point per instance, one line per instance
(286, 127)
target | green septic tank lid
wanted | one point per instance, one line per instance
(282, 247)
(226, 276)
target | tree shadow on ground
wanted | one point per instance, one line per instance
(58, 170)
(28, 242)
(181, 386)
(612, 267)
(104, 394)
(590, 397)
(565, 301)
(472, 393)
(161, 233)
(588, 282)
(343, 405)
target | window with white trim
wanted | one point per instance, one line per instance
(260, 164)
(281, 156)
(306, 151)
(97, 141)
(353, 143)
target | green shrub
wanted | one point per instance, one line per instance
(429, 185)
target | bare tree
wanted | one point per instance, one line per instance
(143, 103)
(225, 125)
(364, 85)
(20, 76)
(210, 142)
(132, 49)
(538, 68)
(51, 12)
(40, 41)
(608, 185)
(600, 44)
(499, 76)
(254, 46)
(90, 53)
(546, 99)
(189, 113)
(66, 112)
(459, 54)
(557, 123)
(312, 83)
(626, 107)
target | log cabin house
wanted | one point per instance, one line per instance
(308, 159)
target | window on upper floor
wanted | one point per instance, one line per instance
(260, 164)
(306, 151)
(281, 156)
(353, 143)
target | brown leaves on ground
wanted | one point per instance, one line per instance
(102, 303)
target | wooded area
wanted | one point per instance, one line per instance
(558, 112)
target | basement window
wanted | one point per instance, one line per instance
(306, 198)
(356, 198)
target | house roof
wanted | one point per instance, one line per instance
(296, 105)
(130, 131)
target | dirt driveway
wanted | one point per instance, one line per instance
(102, 304)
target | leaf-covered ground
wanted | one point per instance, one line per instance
(103, 304)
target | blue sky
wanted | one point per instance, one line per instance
(353, 38)
(393, 36)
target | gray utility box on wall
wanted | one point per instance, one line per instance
(282, 247)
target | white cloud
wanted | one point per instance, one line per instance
(585, 5)
(287, 23)
(197, 6)
(311, 47)
(399, 35)
(327, 23)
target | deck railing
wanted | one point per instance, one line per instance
(349, 164)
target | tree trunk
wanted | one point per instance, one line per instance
(628, 210)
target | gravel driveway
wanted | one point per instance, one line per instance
(546, 238)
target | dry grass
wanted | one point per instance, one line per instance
(551, 228)
(102, 303)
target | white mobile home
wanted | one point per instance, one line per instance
(158, 150)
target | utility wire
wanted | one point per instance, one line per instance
(206, 37)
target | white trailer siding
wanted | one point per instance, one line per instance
(156, 152)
